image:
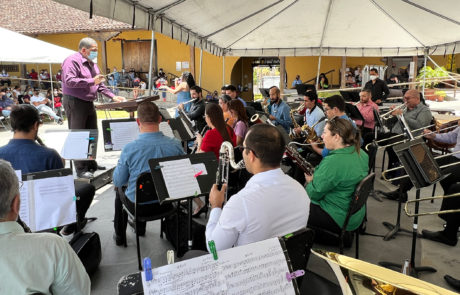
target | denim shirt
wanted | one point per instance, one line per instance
(135, 158)
(281, 113)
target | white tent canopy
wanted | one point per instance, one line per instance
(24, 49)
(296, 27)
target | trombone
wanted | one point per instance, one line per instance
(410, 214)
(388, 114)
(402, 134)
(405, 176)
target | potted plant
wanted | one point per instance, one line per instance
(430, 74)
(440, 95)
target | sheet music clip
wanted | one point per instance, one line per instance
(90, 138)
(170, 256)
(293, 275)
(212, 248)
(148, 269)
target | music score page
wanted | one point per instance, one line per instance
(179, 177)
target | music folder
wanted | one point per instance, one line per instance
(182, 177)
(74, 144)
(48, 199)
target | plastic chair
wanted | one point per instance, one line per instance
(145, 192)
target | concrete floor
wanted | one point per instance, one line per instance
(119, 261)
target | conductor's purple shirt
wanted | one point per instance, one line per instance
(78, 81)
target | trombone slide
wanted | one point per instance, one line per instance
(410, 214)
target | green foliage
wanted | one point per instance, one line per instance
(431, 73)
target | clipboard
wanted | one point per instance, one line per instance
(91, 141)
(205, 182)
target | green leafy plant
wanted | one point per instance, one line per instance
(431, 73)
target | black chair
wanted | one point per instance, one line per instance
(145, 192)
(358, 200)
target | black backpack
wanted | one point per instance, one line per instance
(88, 248)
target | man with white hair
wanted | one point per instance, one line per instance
(38, 263)
(81, 82)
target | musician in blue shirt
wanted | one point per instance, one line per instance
(313, 113)
(279, 112)
(151, 144)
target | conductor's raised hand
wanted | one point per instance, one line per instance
(98, 79)
(216, 196)
(119, 98)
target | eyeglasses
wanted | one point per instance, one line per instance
(242, 148)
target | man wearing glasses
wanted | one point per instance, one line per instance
(254, 214)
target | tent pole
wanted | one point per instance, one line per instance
(152, 44)
(223, 70)
(201, 64)
(319, 67)
(51, 84)
(425, 55)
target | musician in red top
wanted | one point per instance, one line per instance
(81, 82)
(219, 132)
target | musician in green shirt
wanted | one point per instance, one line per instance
(331, 186)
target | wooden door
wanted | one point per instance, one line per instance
(136, 54)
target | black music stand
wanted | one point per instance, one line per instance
(107, 131)
(302, 88)
(265, 92)
(423, 171)
(205, 182)
(353, 112)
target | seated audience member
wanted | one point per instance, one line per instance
(5, 102)
(254, 213)
(279, 111)
(40, 103)
(27, 95)
(296, 82)
(223, 103)
(5, 78)
(230, 90)
(34, 77)
(323, 81)
(331, 186)
(133, 161)
(241, 125)
(38, 263)
(196, 110)
(58, 102)
(17, 96)
(28, 156)
(219, 132)
(334, 107)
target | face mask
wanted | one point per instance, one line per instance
(92, 55)
(55, 93)
(8, 94)
(30, 93)
(373, 77)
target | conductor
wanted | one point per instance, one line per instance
(81, 81)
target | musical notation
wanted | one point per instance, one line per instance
(179, 176)
(258, 268)
(123, 133)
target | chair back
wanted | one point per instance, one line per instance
(145, 189)
(359, 197)
(372, 153)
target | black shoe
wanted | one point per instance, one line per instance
(395, 196)
(119, 241)
(141, 230)
(101, 167)
(438, 236)
(454, 283)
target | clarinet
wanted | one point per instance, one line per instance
(195, 146)
(299, 160)
(226, 159)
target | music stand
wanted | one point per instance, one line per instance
(205, 182)
(353, 112)
(302, 88)
(265, 92)
(423, 171)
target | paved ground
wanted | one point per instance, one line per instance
(118, 261)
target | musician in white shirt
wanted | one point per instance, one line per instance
(271, 204)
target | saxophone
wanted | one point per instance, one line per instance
(292, 133)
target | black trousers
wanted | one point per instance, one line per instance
(80, 115)
(320, 220)
(85, 193)
(121, 217)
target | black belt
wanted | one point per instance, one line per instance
(70, 97)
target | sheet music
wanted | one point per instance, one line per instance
(123, 133)
(76, 145)
(180, 179)
(54, 202)
(189, 132)
(166, 129)
(24, 198)
(200, 168)
(258, 268)
(69, 145)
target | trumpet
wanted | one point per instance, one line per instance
(410, 214)
(388, 114)
(384, 173)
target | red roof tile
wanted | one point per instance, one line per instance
(49, 17)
